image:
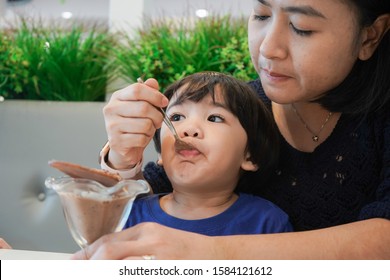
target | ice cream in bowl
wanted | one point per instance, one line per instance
(92, 209)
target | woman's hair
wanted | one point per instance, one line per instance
(367, 88)
(243, 102)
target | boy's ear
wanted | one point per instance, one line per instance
(248, 165)
(373, 35)
(159, 160)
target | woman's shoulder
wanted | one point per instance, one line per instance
(258, 88)
(376, 124)
(379, 122)
(157, 178)
(381, 118)
(262, 205)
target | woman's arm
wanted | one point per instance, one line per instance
(369, 239)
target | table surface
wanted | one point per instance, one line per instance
(7, 254)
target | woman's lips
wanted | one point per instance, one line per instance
(274, 76)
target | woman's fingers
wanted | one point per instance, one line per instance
(152, 83)
(4, 245)
(150, 241)
(111, 246)
(133, 111)
(131, 119)
(119, 250)
(120, 126)
(120, 245)
(142, 92)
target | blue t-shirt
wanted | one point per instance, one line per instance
(248, 215)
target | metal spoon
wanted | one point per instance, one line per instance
(179, 144)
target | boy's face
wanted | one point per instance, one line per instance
(219, 140)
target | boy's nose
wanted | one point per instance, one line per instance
(190, 133)
(190, 129)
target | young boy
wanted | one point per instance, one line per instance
(232, 135)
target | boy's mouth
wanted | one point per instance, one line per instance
(189, 153)
(188, 150)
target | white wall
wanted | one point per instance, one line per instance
(125, 15)
(51, 10)
(119, 11)
(180, 8)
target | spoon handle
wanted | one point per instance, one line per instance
(167, 121)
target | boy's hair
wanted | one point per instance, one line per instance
(243, 102)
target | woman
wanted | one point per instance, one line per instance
(323, 68)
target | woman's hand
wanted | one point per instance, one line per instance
(368, 239)
(131, 119)
(4, 245)
(150, 240)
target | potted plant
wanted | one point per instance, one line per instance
(41, 63)
(168, 50)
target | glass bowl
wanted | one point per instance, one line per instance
(92, 210)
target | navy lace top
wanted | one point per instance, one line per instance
(346, 178)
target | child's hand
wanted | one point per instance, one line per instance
(4, 245)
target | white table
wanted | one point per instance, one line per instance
(7, 254)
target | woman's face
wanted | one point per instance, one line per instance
(302, 48)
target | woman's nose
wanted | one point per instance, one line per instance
(274, 44)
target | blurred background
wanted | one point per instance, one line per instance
(59, 62)
(171, 38)
(115, 12)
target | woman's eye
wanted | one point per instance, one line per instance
(260, 18)
(301, 32)
(175, 117)
(215, 118)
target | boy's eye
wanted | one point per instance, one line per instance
(215, 118)
(176, 117)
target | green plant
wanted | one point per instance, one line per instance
(77, 64)
(56, 64)
(10, 68)
(167, 51)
